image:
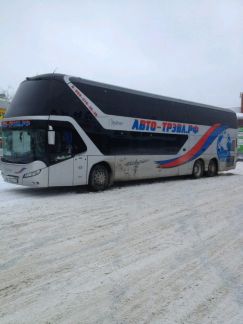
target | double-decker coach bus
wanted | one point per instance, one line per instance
(67, 131)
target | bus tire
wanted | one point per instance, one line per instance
(99, 178)
(212, 168)
(198, 169)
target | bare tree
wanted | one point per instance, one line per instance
(5, 94)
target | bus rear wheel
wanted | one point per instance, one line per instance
(212, 168)
(198, 169)
(99, 178)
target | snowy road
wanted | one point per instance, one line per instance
(163, 252)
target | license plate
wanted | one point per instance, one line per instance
(12, 179)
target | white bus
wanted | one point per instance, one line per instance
(67, 131)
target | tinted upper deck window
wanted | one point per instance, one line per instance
(51, 96)
(32, 98)
(122, 103)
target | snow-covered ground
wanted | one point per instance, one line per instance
(169, 251)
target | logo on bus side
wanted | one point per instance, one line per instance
(165, 127)
(225, 147)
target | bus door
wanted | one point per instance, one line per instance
(68, 162)
(80, 170)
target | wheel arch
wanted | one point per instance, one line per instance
(108, 167)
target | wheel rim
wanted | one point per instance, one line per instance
(100, 177)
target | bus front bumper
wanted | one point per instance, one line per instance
(32, 175)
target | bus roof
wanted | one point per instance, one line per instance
(60, 77)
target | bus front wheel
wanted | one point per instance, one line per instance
(198, 169)
(99, 178)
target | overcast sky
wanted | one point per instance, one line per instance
(187, 49)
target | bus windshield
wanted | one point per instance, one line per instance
(24, 145)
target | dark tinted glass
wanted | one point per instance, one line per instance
(25, 141)
(63, 100)
(116, 102)
(67, 142)
(50, 96)
(32, 98)
(144, 143)
(138, 143)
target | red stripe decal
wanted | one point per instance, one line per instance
(184, 158)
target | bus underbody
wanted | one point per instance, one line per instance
(76, 171)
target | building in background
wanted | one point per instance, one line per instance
(4, 103)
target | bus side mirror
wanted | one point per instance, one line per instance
(51, 137)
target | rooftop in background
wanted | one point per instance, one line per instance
(239, 115)
(236, 109)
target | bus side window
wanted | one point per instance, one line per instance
(62, 149)
(67, 142)
(78, 144)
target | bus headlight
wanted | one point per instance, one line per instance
(32, 174)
